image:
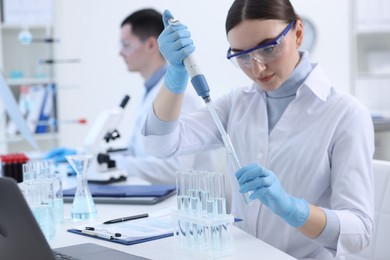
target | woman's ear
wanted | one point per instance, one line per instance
(298, 31)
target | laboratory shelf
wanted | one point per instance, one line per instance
(372, 75)
(29, 81)
(373, 29)
(39, 137)
(19, 27)
(21, 64)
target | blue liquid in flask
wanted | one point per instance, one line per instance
(83, 207)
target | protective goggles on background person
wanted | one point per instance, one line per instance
(128, 48)
(263, 53)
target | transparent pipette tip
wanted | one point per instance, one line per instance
(247, 198)
(173, 21)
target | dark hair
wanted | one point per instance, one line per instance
(145, 23)
(259, 9)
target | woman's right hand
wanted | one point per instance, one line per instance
(175, 45)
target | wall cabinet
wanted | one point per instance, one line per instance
(371, 66)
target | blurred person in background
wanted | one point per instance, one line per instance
(140, 52)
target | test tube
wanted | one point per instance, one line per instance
(58, 198)
(180, 191)
(213, 188)
(204, 192)
(185, 186)
(187, 190)
(220, 194)
(195, 193)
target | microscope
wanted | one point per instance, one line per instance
(103, 131)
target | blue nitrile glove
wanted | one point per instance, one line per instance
(58, 154)
(267, 188)
(70, 171)
(175, 45)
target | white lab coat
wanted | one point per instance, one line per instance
(156, 170)
(321, 150)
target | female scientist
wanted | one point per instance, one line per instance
(306, 146)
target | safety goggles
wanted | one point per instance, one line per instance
(263, 53)
(128, 47)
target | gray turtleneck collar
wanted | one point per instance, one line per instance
(279, 99)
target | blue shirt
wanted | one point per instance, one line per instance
(154, 79)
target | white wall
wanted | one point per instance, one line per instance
(89, 30)
(332, 19)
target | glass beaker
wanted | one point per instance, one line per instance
(83, 207)
(39, 196)
(51, 173)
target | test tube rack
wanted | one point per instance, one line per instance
(208, 236)
(201, 221)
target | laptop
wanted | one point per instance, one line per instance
(21, 237)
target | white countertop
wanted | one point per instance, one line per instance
(245, 246)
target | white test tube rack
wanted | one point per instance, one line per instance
(210, 237)
(201, 222)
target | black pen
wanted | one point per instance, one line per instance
(117, 220)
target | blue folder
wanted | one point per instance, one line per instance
(126, 194)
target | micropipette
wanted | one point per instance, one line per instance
(198, 81)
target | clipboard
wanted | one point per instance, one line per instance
(156, 226)
(122, 241)
(126, 194)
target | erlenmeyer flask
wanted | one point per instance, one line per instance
(83, 206)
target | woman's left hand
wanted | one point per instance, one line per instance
(267, 188)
